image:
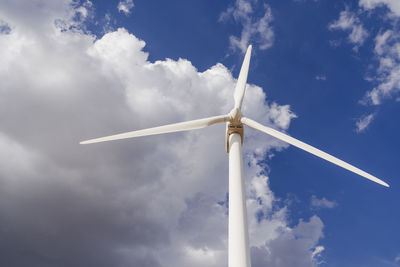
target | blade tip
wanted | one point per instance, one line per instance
(249, 47)
(383, 183)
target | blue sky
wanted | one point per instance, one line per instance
(325, 72)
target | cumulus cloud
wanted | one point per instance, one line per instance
(125, 6)
(320, 203)
(154, 201)
(256, 26)
(273, 242)
(363, 123)
(292, 248)
(348, 21)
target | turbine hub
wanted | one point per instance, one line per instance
(234, 126)
(234, 116)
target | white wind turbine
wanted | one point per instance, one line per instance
(238, 245)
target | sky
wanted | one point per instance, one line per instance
(325, 72)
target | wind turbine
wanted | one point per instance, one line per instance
(238, 244)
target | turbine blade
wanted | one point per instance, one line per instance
(242, 80)
(288, 139)
(176, 127)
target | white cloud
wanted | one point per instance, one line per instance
(386, 81)
(125, 6)
(108, 23)
(317, 252)
(148, 202)
(393, 5)
(349, 22)
(294, 247)
(387, 50)
(397, 259)
(255, 29)
(270, 236)
(381, 41)
(322, 203)
(390, 262)
(364, 122)
(320, 78)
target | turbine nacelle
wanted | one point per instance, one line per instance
(234, 125)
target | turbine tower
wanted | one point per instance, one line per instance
(238, 244)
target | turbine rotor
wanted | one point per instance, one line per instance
(234, 125)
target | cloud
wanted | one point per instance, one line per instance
(393, 5)
(154, 201)
(387, 50)
(386, 80)
(271, 238)
(349, 22)
(4, 27)
(322, 203)
(364, 122)
(125, 6)
(320, 78)
(292, 248)
(397, 259)
(256, 26)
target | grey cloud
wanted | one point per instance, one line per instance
(4, 27)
